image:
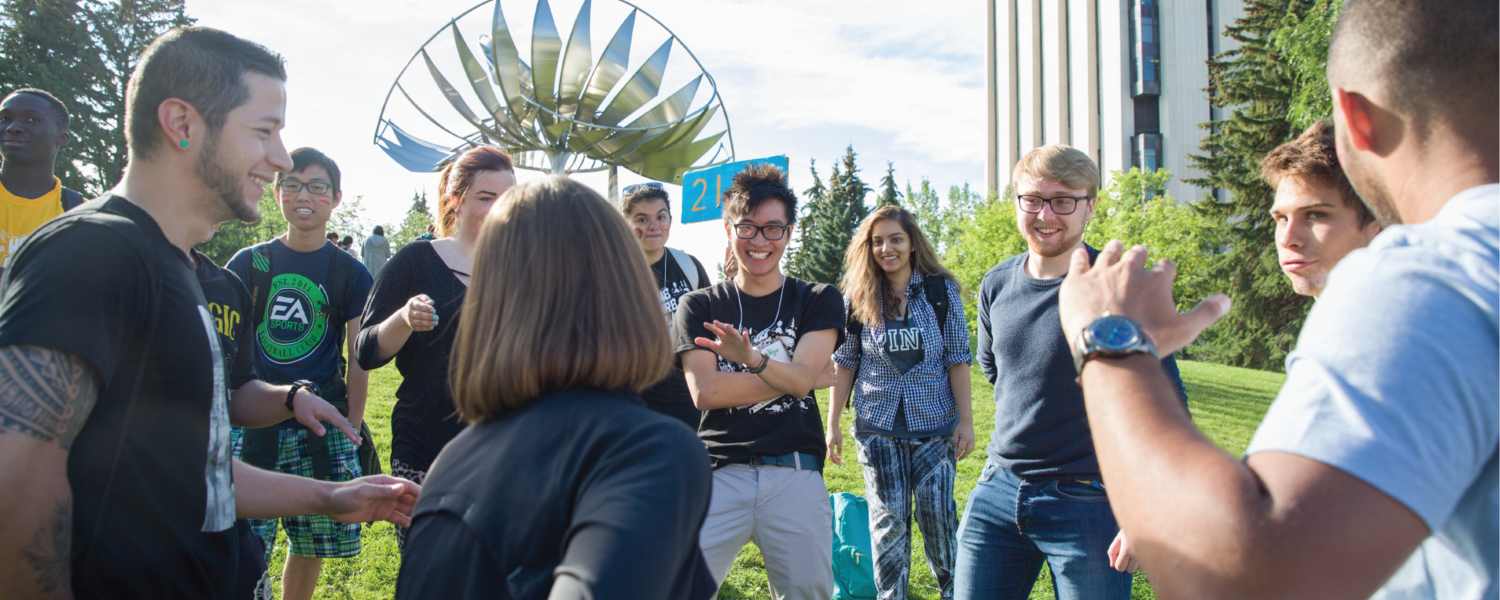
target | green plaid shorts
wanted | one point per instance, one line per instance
(314, 536)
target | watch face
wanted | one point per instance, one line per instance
(1115, 333)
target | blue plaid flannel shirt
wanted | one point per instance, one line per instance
(879, 385)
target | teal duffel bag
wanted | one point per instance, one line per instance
(853, 559)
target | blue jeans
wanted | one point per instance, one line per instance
(1012, 525)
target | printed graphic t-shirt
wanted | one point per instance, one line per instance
(295, 337)
(776, 323)
(229, 303)
(672, 285)
(21, 216)
(903, 342)
(93, 284)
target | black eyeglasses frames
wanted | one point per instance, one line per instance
(772, 233)
(1062, 205)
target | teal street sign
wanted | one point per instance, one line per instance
(703, 190)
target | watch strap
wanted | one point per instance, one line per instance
(765, 359)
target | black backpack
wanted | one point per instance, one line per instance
(71, 199)
(935, 287)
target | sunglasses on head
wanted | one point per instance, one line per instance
(650, 185)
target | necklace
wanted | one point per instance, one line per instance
(740, 326)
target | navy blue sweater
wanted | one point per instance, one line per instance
(1041, 428)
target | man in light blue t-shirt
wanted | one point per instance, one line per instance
(1375, 473)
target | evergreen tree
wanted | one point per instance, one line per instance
(46, 44)
(124, 28)
(888, 194)
(814, 201)
(1256, 83)
(418, 218)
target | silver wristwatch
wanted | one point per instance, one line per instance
(1111, 335)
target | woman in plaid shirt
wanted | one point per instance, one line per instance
(909, 375)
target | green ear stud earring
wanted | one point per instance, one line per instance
(184, 143)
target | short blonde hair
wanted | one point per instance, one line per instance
(1061, 163)
(561, 298)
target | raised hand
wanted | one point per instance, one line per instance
(733, 345)
(419, 313)
(1120, 284)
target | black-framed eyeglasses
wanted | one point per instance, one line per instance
(1062, 205)
(649, 185)
(771, 232)
(292, 186)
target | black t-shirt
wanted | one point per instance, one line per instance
(776, 323)
(615, 499)
(424, 419)
(672, 285)
(903, 343)
(229, 303)
(104, 283)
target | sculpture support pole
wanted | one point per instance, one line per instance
(559, 162)
(614, 185)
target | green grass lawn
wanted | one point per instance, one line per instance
(1227, 404)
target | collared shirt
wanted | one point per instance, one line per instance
(923, 393)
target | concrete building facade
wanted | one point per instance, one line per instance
(1123, 80)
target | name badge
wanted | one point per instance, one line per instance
(775, 349)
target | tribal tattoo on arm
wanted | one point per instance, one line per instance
(45, 393)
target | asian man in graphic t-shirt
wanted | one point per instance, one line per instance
(753, 349)
(308, 298)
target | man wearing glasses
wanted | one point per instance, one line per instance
(1040, 496)
(754, 348)
(308, 296)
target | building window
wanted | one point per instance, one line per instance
(1145, 49)
(1145, 151)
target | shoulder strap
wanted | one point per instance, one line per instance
(339, 271)
(260, 282)
(936, 288)
(685, 263)
(71, 199)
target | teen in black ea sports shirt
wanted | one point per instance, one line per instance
(153, 505)
(775, 323)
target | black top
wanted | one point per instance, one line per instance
(1041, 427)
(104, 283)
(229, 302)
(673, 284)
(903, 342)
(424, 419)
(775, 322)
(582, 489)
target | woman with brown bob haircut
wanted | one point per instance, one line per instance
(564, 484)
(906, 361)
(414, 305)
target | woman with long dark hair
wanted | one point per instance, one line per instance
(565, 485)
(906, 362)
(413, 305)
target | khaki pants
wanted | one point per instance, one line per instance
(786, 513)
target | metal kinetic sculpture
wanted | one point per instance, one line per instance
(562, 113)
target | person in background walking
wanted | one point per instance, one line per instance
(414, 305)
(564, 486)
(648, 211)
(376, 251)
(906, 359)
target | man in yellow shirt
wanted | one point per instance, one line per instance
(33, 125)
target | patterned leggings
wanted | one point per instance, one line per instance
(901, 472)
(415, 475)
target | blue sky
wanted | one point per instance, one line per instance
(901, 81)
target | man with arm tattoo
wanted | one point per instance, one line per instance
(113, 392)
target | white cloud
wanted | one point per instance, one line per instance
(901, 80)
